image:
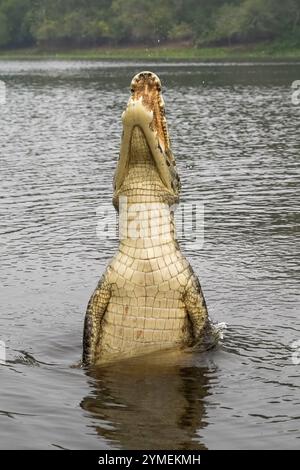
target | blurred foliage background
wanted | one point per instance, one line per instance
(85, 23)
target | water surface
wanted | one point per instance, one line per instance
(235, 134)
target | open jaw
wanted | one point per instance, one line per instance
(145, 111)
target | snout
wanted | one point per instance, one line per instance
(146, 81)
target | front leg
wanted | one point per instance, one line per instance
(196, 308)
(92, 324)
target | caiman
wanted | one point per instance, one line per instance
(149, 298)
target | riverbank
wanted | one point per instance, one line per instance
(257, 52)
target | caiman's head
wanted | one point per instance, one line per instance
(146, 169)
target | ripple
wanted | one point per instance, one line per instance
(235, 137)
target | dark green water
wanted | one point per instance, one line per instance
(235, 134)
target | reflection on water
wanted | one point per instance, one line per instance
(149, 404)
(235, 136)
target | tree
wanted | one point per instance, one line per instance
(253, 20)
(4, 32)
(16, 28)
(85, 22)
(141, 20)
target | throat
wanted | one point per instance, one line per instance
(142, 180)
(145, 224)
(139, 148)
(143, 184)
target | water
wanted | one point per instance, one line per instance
(235, 134)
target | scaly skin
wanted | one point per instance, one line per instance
(149, 297)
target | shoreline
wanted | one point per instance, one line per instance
(238, 53)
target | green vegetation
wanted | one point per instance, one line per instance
(168, 28)
(263, 51)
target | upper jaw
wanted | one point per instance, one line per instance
(145, 109)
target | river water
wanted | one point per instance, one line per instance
(235, 134)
